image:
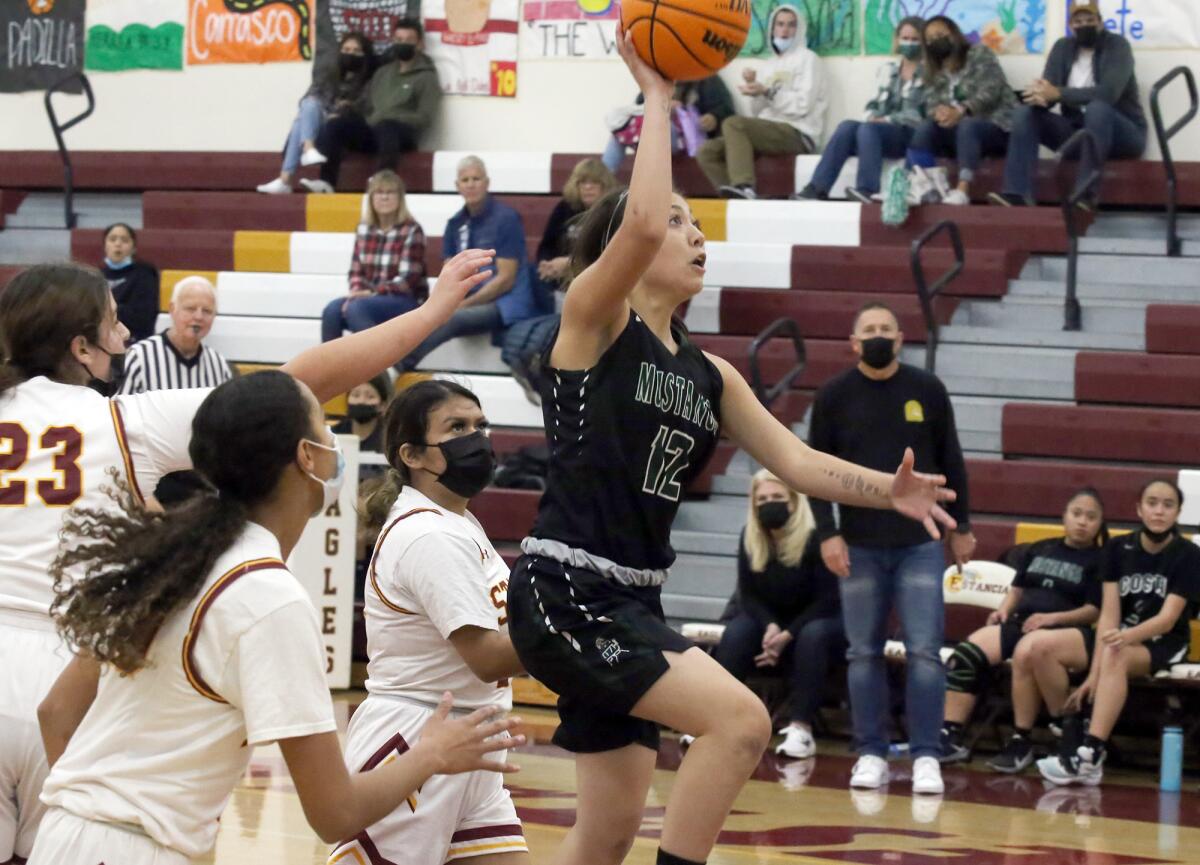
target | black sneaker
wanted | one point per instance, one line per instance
(1009, 199)
(859, 195)
(1016, 756)
(953, 751)
(728, 190)
(810, 193)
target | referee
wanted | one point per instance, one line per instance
(177, 357)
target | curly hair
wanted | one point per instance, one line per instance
(122, 571)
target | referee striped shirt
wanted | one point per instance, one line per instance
(155, 364)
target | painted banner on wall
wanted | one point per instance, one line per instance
(1151, 24)
(1005, 26)
(569, 30)
(832, 27)
(473, 43)
(248, 31)
(134, 34)
(41, 42)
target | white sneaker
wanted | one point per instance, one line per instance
(275, 187)
(921, 188)
(927, 776)
(318, 186)
(956, 197)
(1083, 768)
(941, 181)
(686, 740)
(869, 772)
(797, 743)
(312, 157)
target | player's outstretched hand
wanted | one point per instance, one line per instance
(461, 744)
(646, 76)
(459, 275)
(917, 495)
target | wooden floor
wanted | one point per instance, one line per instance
(797, 812)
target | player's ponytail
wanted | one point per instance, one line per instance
(124, 570)
(406, 422)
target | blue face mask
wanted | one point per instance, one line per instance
(112, 265)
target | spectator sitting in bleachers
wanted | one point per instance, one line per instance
(788, 102)
(788, 608)
(525, 341)
(706, 102)
(340, 92)
(892, 116)
(969, 106)
(1090, 75)
(1056, 586)
(1151, 588)
(403, 99)
(510, 295)
(364, 406)
(134, 284)
(387, 269)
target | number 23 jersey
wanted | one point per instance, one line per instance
(626, 438)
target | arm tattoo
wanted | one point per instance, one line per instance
(854, 482)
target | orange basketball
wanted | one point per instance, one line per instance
(686, 40)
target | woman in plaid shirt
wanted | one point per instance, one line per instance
(387, 271)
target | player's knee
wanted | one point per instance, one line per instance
(750, 729)
(967, 669)
(1026, 653)
(609, 840)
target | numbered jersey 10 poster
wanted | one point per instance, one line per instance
(473, 43)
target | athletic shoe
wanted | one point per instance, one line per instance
(956, 197)
(1009, 199)
(869, 772)
(810, 193)
(312, 157)
(730, 190)
(1016, 756)
(1083, 767)
(275, 187)
(862, 197)
(318, 186)
(953, 751)
(797, 743)
(927, 776)
(686, 740)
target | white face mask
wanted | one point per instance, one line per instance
(782, 45)
(331, 488)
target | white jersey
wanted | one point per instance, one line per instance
(432, 573)
(59, 445)
(239, 665)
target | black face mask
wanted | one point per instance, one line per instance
(1156, 537)
(402, 51)
(361, 412)
(470, 464)
(116, 372)
(940, 48)
(351, 62)
(1088, 36)
(878, 351)
(773, 515)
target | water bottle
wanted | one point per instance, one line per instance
(1171, 765)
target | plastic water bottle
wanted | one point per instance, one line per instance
(1171, 765)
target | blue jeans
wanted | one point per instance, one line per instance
(911, 579)
(468, 320)
(968, 142)
(1118, 137)
(362, 313)
(304, 128)
(871, 142)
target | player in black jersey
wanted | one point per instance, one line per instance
(1151, 586)
(633, 410)
(1056, 586)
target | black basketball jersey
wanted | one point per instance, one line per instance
(626, 438)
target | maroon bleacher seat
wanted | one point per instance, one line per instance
(1137, 379)
(1039, 488)
(820, 314)
(165, 248)
(1172, 328)
(1170, 436)
(887, 269)
(1137, 182)
(1027, 229)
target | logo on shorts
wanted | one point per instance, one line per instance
(610, 650)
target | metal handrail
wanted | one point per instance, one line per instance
(779, 327)
(60, 128)
(1085, 140)
(925, 292)
(1174, 244)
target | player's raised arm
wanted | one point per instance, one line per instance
(335, 367)
(626, 230)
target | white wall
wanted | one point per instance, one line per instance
(560, 106)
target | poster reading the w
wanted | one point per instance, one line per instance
(41, 43)
(249, 31)
(1005, 26)
(473, 43)
(134, 34)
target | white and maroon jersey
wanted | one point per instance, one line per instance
(432, 573)
(241, 664)
(59, 446)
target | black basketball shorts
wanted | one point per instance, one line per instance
(598, 644)
(1165, 651)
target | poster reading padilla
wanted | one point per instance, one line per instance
(40, 44)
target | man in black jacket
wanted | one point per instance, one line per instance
(869, 414)
(1090, 75)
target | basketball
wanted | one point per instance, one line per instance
(686, 40)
